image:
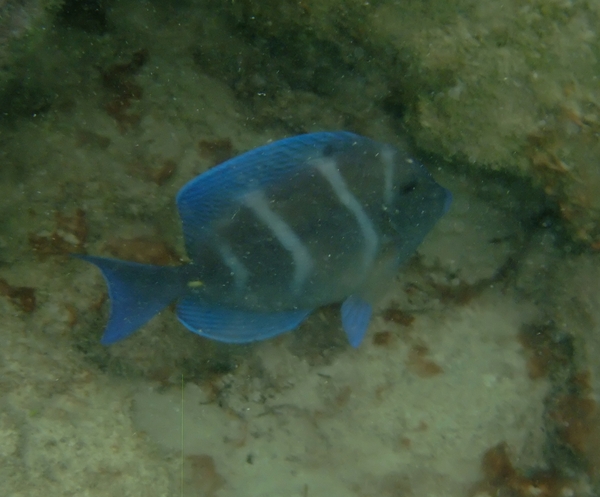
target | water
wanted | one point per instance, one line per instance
(477, 376)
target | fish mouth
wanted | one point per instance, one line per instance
(447, 201)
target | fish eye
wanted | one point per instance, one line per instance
(409, 187)
(328, 150)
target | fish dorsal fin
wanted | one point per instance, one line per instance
(209, 196)
(235, 326)
(356, 315)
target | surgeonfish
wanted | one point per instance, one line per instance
(279, 231)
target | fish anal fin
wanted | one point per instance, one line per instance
(235, 326)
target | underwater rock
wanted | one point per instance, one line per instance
(497, 87)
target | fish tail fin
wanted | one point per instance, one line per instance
(137, 293)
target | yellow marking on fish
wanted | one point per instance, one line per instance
(195, 284)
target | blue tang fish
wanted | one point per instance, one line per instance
(279, 231)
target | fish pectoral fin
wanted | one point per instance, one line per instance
(235, 326)
(356, 315)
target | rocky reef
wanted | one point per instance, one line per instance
(479, 375)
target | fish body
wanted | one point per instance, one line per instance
(279, 231)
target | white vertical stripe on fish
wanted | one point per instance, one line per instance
(327, 167)
(238, 270)
(303, 263)
(387, 156)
